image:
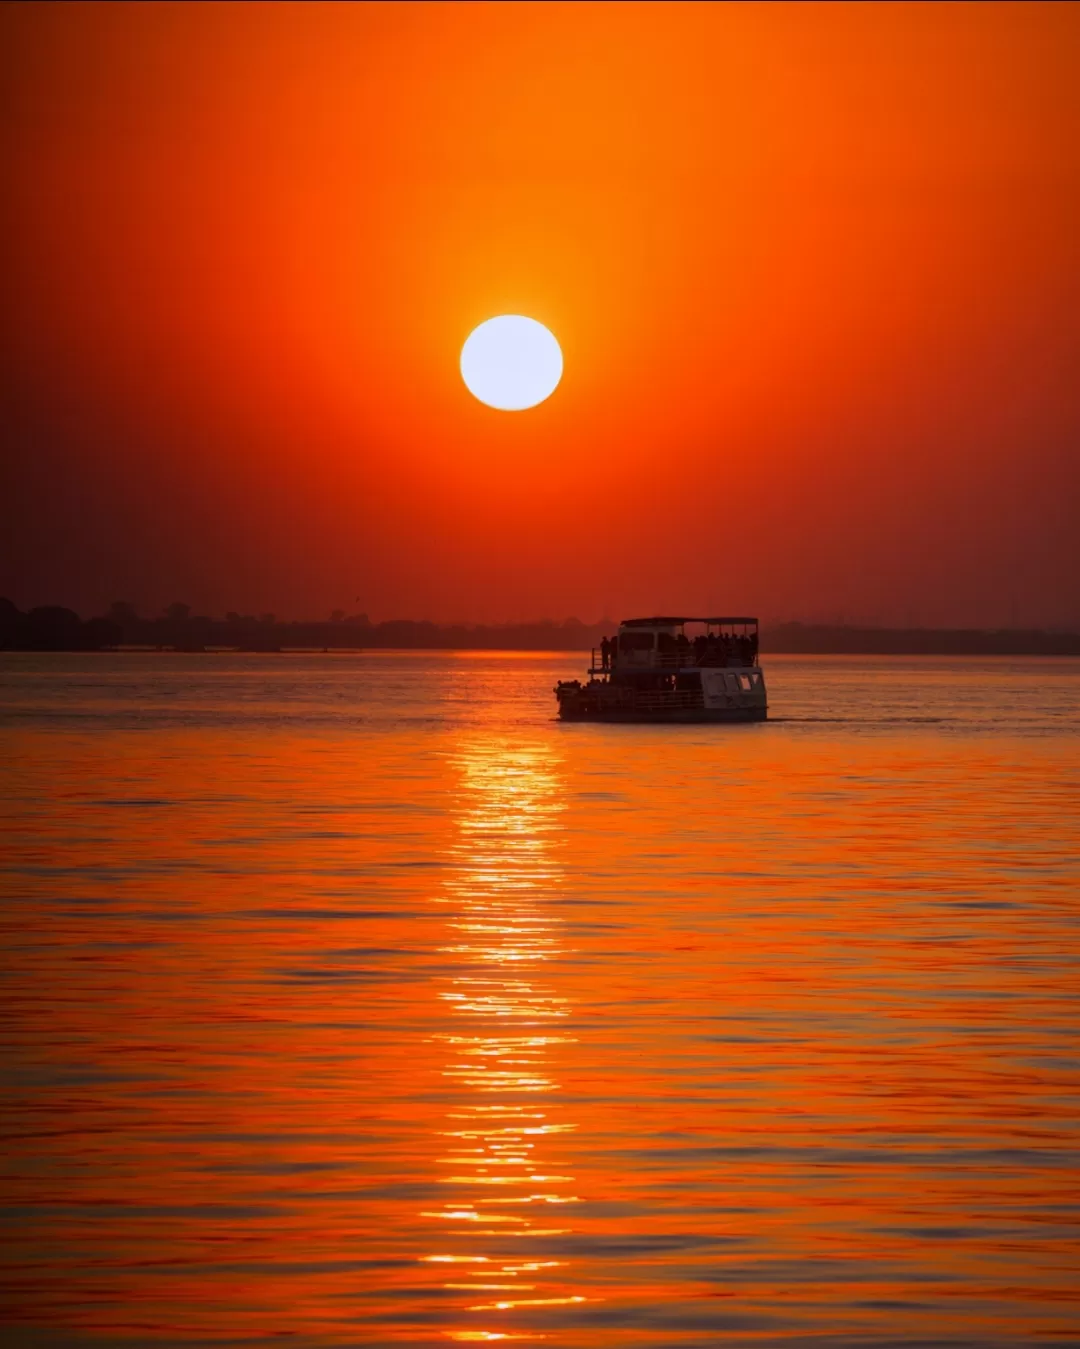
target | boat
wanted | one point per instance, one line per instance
(653, 671)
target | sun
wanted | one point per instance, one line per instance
(511, 362)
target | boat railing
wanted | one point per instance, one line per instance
(673, 660)
(649, 700)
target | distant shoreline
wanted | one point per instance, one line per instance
(1072, 651)
(53, 628)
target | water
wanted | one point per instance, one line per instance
(352, 1000)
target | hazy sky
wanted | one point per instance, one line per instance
(815, 271)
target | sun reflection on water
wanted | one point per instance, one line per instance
(504, 1032)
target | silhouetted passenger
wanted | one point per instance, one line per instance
(605, 654)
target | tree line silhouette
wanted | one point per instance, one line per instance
(177, 628)
(54, 628)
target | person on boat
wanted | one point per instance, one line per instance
(605, 654)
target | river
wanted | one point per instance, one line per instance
(354, 1000)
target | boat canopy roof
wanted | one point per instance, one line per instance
(667, 621)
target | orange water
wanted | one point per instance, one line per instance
(355, 1001)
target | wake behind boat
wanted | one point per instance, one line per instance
(653, 671)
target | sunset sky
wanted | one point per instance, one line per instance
(815, 271)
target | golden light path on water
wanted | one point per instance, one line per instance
(503, 1041)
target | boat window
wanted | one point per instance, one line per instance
(635, 641)
(744, 681)
(755, 677)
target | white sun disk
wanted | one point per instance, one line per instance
(511, 362)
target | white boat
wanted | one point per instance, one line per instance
(654, 670)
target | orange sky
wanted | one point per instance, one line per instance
(814, 270)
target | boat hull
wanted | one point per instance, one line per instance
(665, 716)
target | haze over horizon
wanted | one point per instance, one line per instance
(813, 270)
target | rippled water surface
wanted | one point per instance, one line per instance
(353, 1000)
